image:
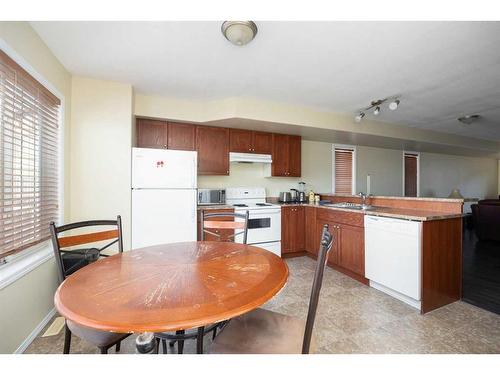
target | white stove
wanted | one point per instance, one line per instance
(264, 219)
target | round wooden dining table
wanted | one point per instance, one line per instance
(171, 287)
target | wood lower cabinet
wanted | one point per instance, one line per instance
(292, 229)
(312, 244)
(286, 156)
(223, 232)
(212, 144)
(151, 133)
(348, 249)
(351, 248)
(181, 136)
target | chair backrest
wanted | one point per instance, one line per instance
(324, 248)
(83, 256)
(219, 228)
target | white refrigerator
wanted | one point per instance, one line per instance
(163, 196)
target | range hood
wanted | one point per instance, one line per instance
(241, 157)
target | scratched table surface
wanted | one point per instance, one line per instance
(171, 287)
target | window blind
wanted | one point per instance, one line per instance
(29, 121)
(343, 171)
(411, 175)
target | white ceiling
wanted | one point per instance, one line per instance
(443, 70)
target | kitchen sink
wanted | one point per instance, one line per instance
(352, 206)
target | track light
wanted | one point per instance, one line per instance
(359, 117)
(394, 105)
(376, 105)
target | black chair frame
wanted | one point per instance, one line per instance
(234, 215)
(63, 272)
(325, 247)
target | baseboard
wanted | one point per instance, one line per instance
(293, 255)
(408, 300)
(28, 340)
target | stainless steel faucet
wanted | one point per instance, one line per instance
(363, 198)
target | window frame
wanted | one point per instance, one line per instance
(354, 165)
(418, 172)
(14, 266)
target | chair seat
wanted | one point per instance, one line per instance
(261, 332)
(94, 336)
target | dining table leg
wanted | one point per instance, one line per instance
(145, 343)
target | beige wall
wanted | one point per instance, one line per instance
(101, 141)
(310, 122)
(475, 177)
(385, 168)
(29, 299)
(316, 173)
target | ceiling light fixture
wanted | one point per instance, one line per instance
(394, 105)
(376, 105)
(468, 119)
(359, 117)
(239, 32)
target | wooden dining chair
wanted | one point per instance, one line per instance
(216, 225)
(267, 332)
(70, 257)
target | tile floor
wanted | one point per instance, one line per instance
(353, 318)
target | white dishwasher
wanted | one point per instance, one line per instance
(393, 257)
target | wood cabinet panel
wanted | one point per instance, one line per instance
(262, 143)
(337, 216)
(310, 230)
(441, 263)
(286, 156)
(151, 133)
(279, 166)
(223, 232)
(351, 254)
(212, 144)
(181, 136)
(298, 220)
(294, 156)
(292, 229)
(241, 140)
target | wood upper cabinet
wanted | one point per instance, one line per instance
(181, 136)
(151, 133)
(292, 229)
(294, 155)
(250, 141)
(351, 248)
(262, 143)
(286, 156)
(212, 144)
(241, 140)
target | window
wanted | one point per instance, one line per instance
(29, 138)
(410, 174)
(344, 171)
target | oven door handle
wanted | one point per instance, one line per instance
(254, 213)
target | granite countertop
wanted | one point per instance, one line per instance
(397, 213)
(433, 199)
